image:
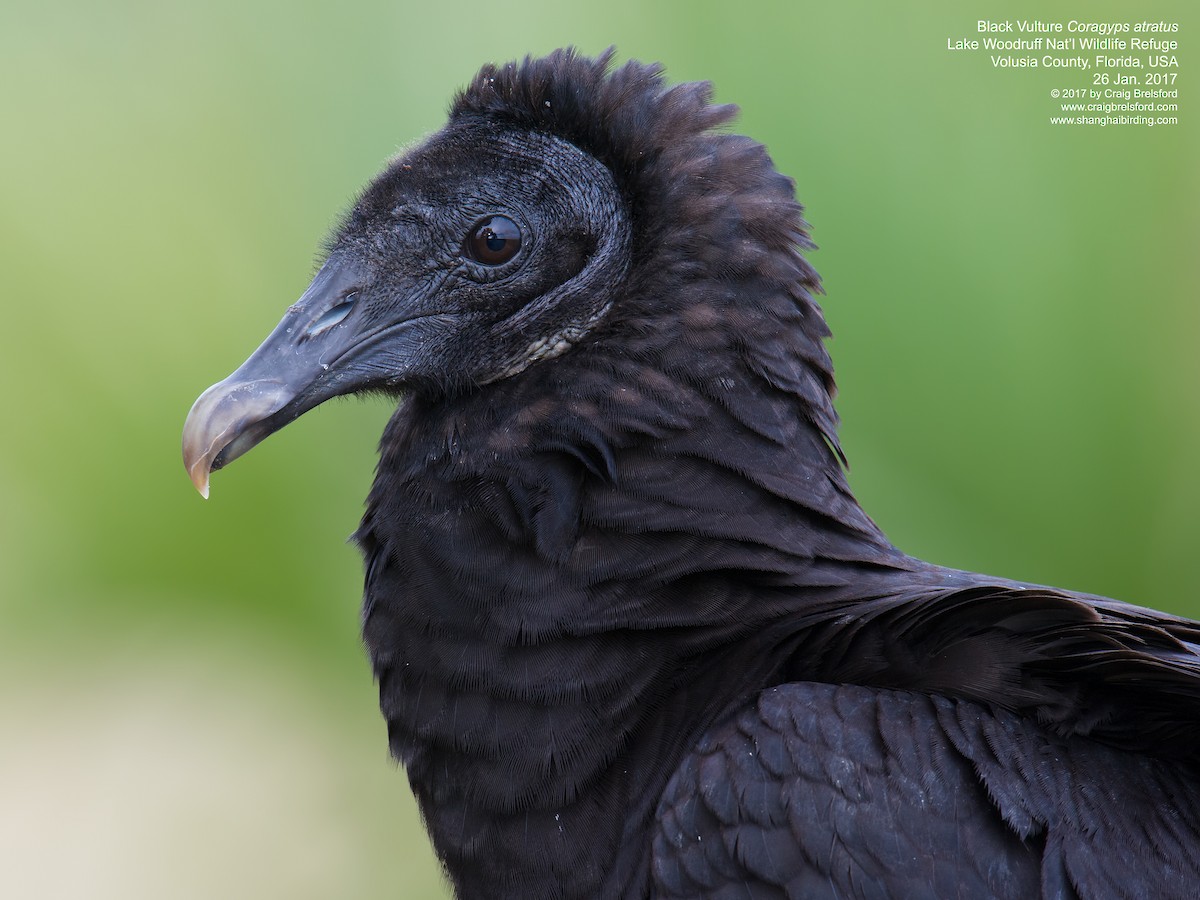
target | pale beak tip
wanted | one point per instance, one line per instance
(199, 476)
(219, 419)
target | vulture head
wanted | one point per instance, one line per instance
(489, 248)
(564, 209)
(501, 242)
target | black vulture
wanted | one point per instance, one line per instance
(634, 637)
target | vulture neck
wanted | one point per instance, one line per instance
(557, 563)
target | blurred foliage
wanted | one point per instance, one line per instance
(188, 708)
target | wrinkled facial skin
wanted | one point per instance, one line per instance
(411, 298)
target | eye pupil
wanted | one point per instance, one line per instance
(493, 241)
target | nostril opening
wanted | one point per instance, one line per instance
(332, 316)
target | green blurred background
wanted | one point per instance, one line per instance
(184, 705)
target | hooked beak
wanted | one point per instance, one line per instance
(293, 371)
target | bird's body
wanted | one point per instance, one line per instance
(633, 634)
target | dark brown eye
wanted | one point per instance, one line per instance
(493, 241)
